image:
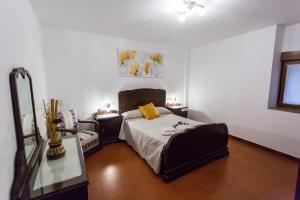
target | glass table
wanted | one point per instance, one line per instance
(63, 178)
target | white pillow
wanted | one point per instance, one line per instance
(163, 110)
(137, 114)
(132, 114)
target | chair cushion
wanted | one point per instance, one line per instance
(88, 140)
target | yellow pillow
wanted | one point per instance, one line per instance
(149, 111)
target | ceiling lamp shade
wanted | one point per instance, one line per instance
(181, 17)
(189, 8)
(199, 10)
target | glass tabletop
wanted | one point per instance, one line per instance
(55, 175)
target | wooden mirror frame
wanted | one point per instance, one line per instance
(23, 168)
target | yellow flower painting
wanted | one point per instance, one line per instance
(147, 68)
(126, 55)
(134, 69)
(133, 63)
(156, 57)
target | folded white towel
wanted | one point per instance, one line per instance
(167, 131)
(183, 127)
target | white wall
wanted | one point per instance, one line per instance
(20, 41)
(229, 82)
(82, 68)
(291, 40)
(276, 67)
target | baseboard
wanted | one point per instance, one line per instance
(265, 148)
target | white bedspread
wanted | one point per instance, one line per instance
(146, 139)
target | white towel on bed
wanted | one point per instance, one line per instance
(168, 131)
(183, 127)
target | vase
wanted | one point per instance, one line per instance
(56, 150)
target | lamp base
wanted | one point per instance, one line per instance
(55, 151)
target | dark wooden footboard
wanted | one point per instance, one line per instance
(188, 150)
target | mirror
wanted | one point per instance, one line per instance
(24, 112)
(29, 141)
(27, 115)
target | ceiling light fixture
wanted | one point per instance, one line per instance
(188, 8)
(181, 17)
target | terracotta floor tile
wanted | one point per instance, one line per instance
(113, 183)
(261, 181)
(117, 172)
(234, 192)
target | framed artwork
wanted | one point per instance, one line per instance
(133, 63)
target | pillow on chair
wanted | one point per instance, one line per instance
(69, 120)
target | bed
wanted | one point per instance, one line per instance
(169, 156)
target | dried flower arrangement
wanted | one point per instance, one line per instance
(56, 150)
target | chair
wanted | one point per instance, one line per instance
(90, 140)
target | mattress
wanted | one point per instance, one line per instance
(145, 138)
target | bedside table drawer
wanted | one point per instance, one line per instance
(110, 129)
(180, 111)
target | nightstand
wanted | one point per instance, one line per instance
(179, 110)
(110, 125)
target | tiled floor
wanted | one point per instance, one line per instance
(117, 172)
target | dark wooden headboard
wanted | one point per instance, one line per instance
(132, 99)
